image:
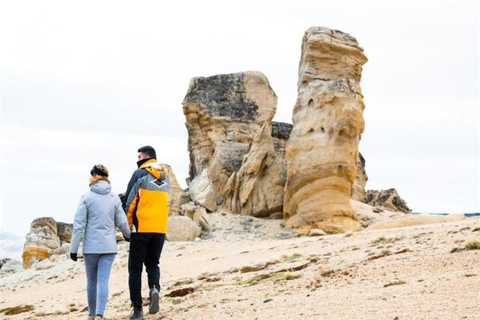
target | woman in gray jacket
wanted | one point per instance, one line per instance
(97, 215)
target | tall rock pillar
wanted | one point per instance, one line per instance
(322, 151)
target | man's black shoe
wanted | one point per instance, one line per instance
(154, 297)
(137, 314)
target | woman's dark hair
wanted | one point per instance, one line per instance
(148, 151)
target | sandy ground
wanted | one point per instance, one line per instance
(249, 268)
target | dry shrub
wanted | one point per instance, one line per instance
(472, 244)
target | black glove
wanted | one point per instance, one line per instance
(126, 239)
(73, 256)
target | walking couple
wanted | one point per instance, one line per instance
(144, 225)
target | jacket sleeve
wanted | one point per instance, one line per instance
(79, 223)
(135, 176)
(121, 220)
(131, 203)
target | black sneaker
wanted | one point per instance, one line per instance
(137, 314)
(154, 297)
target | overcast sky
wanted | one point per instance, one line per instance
(89, 82)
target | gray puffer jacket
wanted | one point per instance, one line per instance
(97, 214)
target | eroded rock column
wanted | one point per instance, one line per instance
(322, 151)
(233, 161)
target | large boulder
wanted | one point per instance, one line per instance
(322, 151)
(224, 115)
(388, 199)
(181, 228)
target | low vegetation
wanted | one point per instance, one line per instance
(472, 244)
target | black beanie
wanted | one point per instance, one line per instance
(96, 171)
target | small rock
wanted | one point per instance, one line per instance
(317, 232)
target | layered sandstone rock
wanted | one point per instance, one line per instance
(40, 241)
(322, 152)
(388, 199)
(228, 170)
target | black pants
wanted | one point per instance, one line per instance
(145, 248)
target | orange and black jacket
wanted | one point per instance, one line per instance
(147, 199)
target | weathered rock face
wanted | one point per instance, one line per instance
(358, 188)
(322, 152)
(388, 199)
(225, 114)
(41, 240)
(257, 187)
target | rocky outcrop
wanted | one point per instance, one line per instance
(226, 117)
(322, 152)
(388, 199)
(358, 187)
(40, 241)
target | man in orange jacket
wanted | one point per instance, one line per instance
(146, 205)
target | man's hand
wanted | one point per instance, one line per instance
(73, 256)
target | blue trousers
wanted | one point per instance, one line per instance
(97, 268)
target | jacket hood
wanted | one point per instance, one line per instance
(101, 187)
(155, 169)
